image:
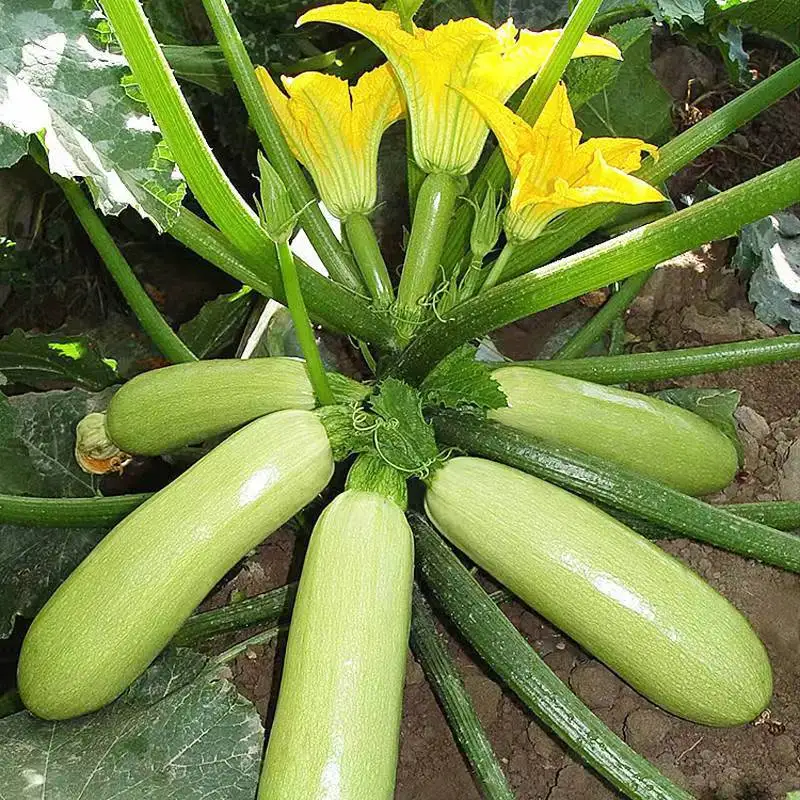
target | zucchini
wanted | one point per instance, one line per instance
(337, 721)
(164, 409)
(650, 436)
(128, 597)
(628, 603)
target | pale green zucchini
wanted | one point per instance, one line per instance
(168, 408)
(337, 721)
(648, 435)
(128, 597)
(624, 600)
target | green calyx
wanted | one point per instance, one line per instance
(276, 212)
(371, 473)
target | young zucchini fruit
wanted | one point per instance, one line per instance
(337, 722)
(128, 597)
(168, 408)
(650, 436)
(624, 600)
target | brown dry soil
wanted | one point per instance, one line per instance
(696, 300)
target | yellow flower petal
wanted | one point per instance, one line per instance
(335, 130)
(603, 183)
(624, 154)
(448, 133)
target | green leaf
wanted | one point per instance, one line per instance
(769, 255)
(634, 104)
(37, 437)
(403, 438)
(58, 85)
(180, 732)
(715, 405)
(736, 57)
(459, 380)
(218, 324)
(674, 12)
(585, 77)
(533, 15)
(37, 359)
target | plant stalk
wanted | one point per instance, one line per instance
(601, 322)
(620, 488)
(367, 251)
(336, 260)
(606, 263)
(510, 656)
(495, 171)
(445, 681)
(302, 325)
(432, 215)
(496, 271)
(641, 367)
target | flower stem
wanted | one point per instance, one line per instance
(432, 215)
(205, 177)
(365, 247)
(67, 512)
(302, 326)
(606, 263)
(168, 342)
(496, 270)
(617, 304)
(339, 265)
(329, 303)
(495, 172)
(674, 155)
(520, 668)
(444, 679)
(641, 367)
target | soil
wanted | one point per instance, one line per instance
(695, 300)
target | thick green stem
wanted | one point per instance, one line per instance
(265, 609)
(154, 325)
(495, 172)
(674, 155)
(606, 263)
(620, 488)
(513, 660)
(67, 512)
(302, 326)
(443, 677)
(616, 305)
(209, 184)
(432, 216)
(260, 638)
(365, 247)
(640, 367)
(339, 265)
(616, 336)
(497, 268)
(329, 304)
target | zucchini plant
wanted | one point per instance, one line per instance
(525, 469)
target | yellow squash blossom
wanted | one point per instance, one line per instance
(334, 130)
(447, 133)
(552, 171)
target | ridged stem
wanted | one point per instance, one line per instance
(606, 263)
(446, 683)
(336, 260)
(367, 252)
(432, 216)
(641, 367)
(495, 172)
(505, 650)
(673, 156)
(302, 326)
(617, 304)
(620, 488)
(497, 268)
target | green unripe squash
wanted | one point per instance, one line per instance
(128, 597)
(620, 597)
(648, 435)
(337, 722)
(168, 408)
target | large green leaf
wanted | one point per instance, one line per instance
(57, 83)
(179, 733)
(218, 324)
(634, 104)
(37, 437)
